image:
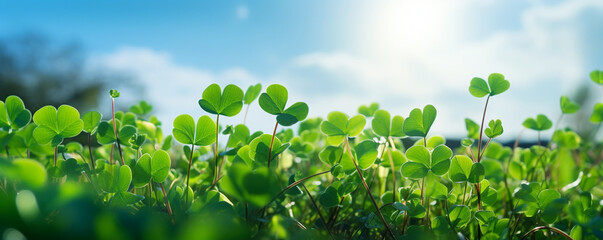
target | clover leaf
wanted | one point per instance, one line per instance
(274, 100)
(541, 123)
(567, 106)
(419, 122)
(55, 125)
(597, 76)
(421, 161)
(252, 93)
(13, 114)
(228, 102)
(597, 115)
(368, 110)
(494, 129)
(497, 84)
(384, 125)
(338, 126)
(185, 132)
(462, 169)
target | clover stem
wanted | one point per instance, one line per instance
(90, 150)
(347, 143)
(481, 130)
(150, 192)
(188, 173)
(216, 149)
(317, 210)
(272, 143)
(56, 152)
(485, 146)
(295, 184)
(169, 208)
(554, 229)
(464, 192)
(245, 116)
(391, 163)
(115, 130)
(7, 154)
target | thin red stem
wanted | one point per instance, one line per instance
(272, 143)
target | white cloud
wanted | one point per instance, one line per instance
(542, 59)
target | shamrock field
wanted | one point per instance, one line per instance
(66, 174)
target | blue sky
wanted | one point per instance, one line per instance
(336, 55)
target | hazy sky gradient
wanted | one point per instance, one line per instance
(336, 55)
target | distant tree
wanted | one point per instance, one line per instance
(43, 72)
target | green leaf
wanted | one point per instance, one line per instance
(419, 154)
(27, 171)
(55, 125)
(459, 216)
(477, 173)
(13, 113)
(547, 196)
(295, 113)
(414, 170)
(597, 76)
(142, 171)
(256, 186)
(114, 93)
(273, 101)
(597, 115)
(91, 120)
(472, 128)
(368, 111)
(541, 122)
(142, 108)
(227, 103)
(329, 198)
(381, 123)
(440, 160)
(252, 93)
(418, 123)
(494, 129)
(160, 165)
(185, 132)
(385, 126)
(576, 232)
(567, 106)
(260, 147)
(367, 153)
(440, 226)
(415, 209)
(124, 178)
(460, 168)
(331, 155)
(478, 87)
(498, 84)
(338, 126)
(484, 216)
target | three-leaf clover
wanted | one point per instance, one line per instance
(274, 100)
(55, 125)
(386, 126)
(338, 126)
(228, 102)
(494, 129)
(497, 84)
(421, 161)
(540, 123)
(154, 168)
(13, 114)
(567, 106)
(419, 122)
(185, 132)
(368, 110)
(462, 169)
